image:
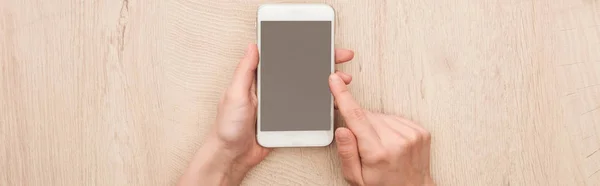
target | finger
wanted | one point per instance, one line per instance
(379, 122)
(405, 131)
(424, 140)
(415, 126)
(347, 148)
(353, 114)
(346, 77)
(343, 55)
(346, 101)
(246, 71)
(391, 122)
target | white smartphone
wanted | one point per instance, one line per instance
(295, 105)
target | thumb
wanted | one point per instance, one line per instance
(246, 71)
(347, 148)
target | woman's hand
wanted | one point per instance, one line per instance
(231, 150)
(379, 149)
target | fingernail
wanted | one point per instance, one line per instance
(342, 136)
(340, 133)
(335, 78)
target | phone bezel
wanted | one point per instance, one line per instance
(294, 12)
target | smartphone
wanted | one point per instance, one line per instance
(295, 105)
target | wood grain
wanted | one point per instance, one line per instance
(122, 92)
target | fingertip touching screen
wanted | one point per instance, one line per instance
(295, 63)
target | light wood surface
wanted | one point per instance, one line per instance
(122, 92)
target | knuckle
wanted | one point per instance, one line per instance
(401, 145)
(400, 149)
(399, 142)
(426, 135)
(423, 133)
(415, 140)
(355, 113)
(413, 137)
(378, 157)
(397, 147)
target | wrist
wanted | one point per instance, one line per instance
(214, 165)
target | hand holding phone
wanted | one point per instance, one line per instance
(230, 149)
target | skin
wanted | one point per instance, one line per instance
(375, 149)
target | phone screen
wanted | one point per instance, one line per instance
(295, 63)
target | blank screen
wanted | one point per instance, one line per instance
(295, 63)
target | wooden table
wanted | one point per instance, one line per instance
(121, 92)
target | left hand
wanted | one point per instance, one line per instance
(231, 149)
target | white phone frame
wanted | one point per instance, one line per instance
(294, 12)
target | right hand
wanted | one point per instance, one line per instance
(379, 149)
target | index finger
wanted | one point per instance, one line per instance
(353, 114)
(343, 55)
